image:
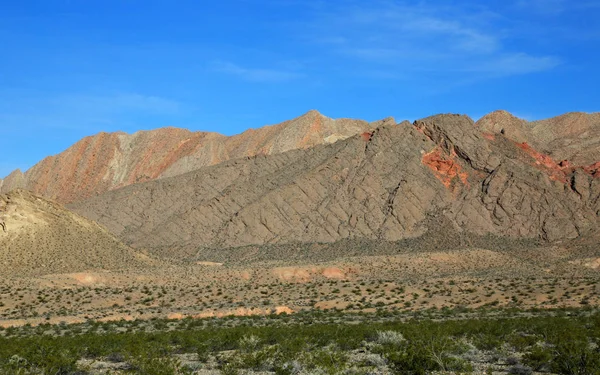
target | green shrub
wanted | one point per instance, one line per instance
(151, 365)
(520, 370)
(50, 359)
(538, 358)
(330, 360)
(575, 357)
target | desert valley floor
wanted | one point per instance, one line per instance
(397, 280)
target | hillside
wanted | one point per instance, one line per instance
(439, 174)
(573, 137)
(38, 236)
(106, 161)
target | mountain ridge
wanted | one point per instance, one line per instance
(383, 185)
(291, 182)
(444, 175)
(572, 137)
(105, 161)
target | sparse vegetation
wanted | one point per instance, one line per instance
(557, 342)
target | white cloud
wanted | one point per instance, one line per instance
(556, 7)
(390, 23)
(255, 74)
(517, 63)
(549, 7)
(399, 38)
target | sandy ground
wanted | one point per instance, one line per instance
(469, 278)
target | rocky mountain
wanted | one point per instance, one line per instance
(106, 161)
(38, 236)
(395, 182)
(570, 138)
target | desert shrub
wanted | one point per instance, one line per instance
(52, 360)
(538, 357)
(328, 360)
(262, 359)
(249, 343)
(115, 357)
(293, 367)
(17, 365)
(155, 365)
(410, 359)
(520, 341)
(575, 357)
(484, 341)
(374, 360)
(520, 370)
(389, 338)
(203, 351)
(428, 347)
(229, 369)
(316, 342)
(512, 361)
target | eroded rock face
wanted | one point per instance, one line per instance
(382, 184)
(107, 161)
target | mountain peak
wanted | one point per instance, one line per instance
(15, 180)
(499, 115)
(505, 123)
(314, 112)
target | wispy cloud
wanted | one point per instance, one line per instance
(515, 64)
(418, 39)
(548, 7)
(255, 74)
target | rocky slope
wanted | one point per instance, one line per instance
(38, 236)
(395, 182)
(571, 138)
(107, 161)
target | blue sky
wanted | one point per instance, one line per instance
(71, 68)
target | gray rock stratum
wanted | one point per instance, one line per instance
(383, 184)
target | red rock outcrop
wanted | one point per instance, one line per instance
(445, 168)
